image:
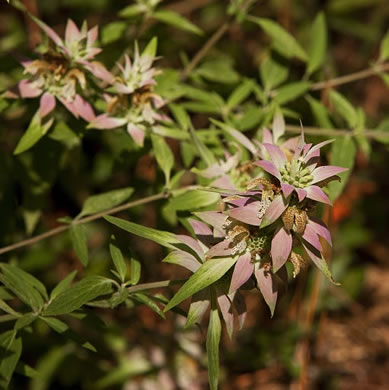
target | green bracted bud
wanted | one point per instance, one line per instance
(305, 172)
(306, 179)
(296, 183)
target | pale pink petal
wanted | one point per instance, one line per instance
(50, 33)
(27, 90)
(281, 245)
(192, 244)
(200, 228)
(242, 139)
(325, 172)
(225, 306)
(92, 36)
(92, 52)
(315, 151)
(274, 211)
(223, 248)
(301, 194)
(320, 229)
(290, 144)
(47, 104)
(213, 218)
(223, 182)
(103, 122)
(137, 134)
(287, 189)
(213, 171)
(276, 155)
(99, 70)
(240, 202)
(72, 33)
(243, 269)
(267, 286)
(85, 110)
(316, 193)
(311, 237)
(269, 167)
(300, 145)
(267, 136)
(278, 126)
(247, 214)
(71, 107)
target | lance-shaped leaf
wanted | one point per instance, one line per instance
(102, 202)
(345, 109)
(318, 46)
(79, 294)
(193, 200)
(79, 242)
(212, 345)
(205, 154)
(28, 289)
(208, 273)
(160, 237)
(283, 42)
(163, 155)
(118, 259)
(198, 307)
(10, 351)
(62, 285)
(176, 20)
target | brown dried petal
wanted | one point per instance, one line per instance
(288, 218)
(298, 263)
(300, 219)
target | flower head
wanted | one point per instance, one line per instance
(299, 172)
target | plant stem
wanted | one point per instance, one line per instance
(337, 132)
(60, 229)
(351, 77)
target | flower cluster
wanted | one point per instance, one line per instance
(63, 72)
(134, 103)
(269, 223)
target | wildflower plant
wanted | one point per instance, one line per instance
(241, 198)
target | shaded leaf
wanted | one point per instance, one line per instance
(102, 202)
(118, 259)
(163, 155)
(344, 108)
(10, 351)
(176, 20)
(62, 285)
(272, 73)
(79, 242)
(291, 91)
(318, 48)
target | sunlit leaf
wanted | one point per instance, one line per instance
(176, 20)
(318, 47)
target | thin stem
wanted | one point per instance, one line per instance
(351, 77)
(60, 229)
(337, 132)
(205, 49)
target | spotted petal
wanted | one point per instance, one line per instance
(223, 248)
(213, 218)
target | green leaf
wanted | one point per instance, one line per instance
(199, 305)
(320, 112)
(55, 324)
(208, 273)
(212, 345)
(146, 300)
(291, 91)
(26, 370)
(23, 285)
(135, 268)
(318, 47)
(102, 202)
(160, 237)
(194, 199)
(163, 155)
(118, 259)
(25, 320)
(79, 242)
(79, 294)
(283, 42)
(10, 351)
(151, 48)
(344, 108)
(180, 115)
(384, 48)
(206, 155)
(62, 285)
(131, 11)
(111, 32)
(343, 155)
(176, 20)
(240, 93)
(33, 134)
(272, 73)
(8, 309)
(217, 71)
